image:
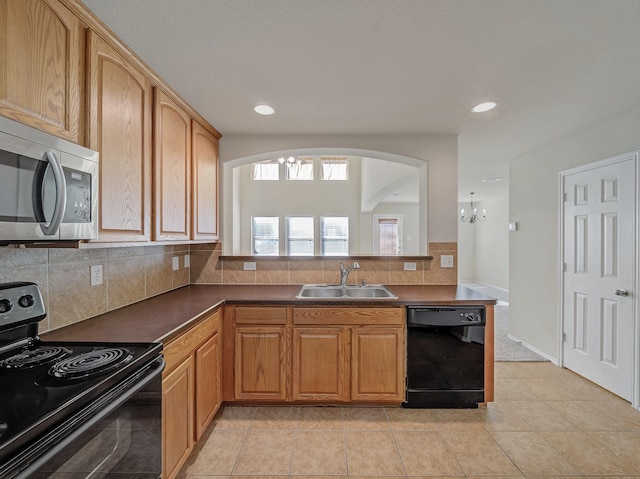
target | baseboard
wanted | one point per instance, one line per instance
(535, 350)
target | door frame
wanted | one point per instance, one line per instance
(635, 156)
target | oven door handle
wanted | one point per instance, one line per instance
(47, 447)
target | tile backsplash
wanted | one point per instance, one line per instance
(207, 267)
(132, 274)
(129, 275)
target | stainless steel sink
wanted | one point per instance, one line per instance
(331, 291)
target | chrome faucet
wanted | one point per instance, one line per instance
(344, 272)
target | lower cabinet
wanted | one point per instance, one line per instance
(191, 392)
(177, 417)
(320, 363)
(260, 353)
(377, 359)
(317, 354)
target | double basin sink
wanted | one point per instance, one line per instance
(335, 291)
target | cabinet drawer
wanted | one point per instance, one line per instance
(348, 316)
(260, 315)
(184, 345)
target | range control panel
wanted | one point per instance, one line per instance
(20, 303)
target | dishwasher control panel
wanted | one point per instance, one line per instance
(445, 316)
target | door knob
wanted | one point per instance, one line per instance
(622, 292)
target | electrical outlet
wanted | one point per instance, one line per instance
(96, 275)
(408, 266)
(446, 261)
(249, 265)
(176, 263)
(187, 261)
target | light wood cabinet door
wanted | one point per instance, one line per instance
(260, 362)
(320, 364)
(208, 383)
(377, 369)
(204, 174)
(41, 66)
(177, 417)
(119, 127)
(172, 170)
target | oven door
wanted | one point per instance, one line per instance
(118, 435)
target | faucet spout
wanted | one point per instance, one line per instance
(344, 272)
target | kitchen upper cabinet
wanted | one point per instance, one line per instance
(120, 100)
(377, 358)
(204, 174)
(172, 170)
(41, 66)
(320, 370)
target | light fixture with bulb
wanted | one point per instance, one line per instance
(483, 107)
(473, 217)
(264, 109)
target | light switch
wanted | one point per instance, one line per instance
(176, 263)
(187, 261)
(409, 266)
(249, 265)
(513, 226)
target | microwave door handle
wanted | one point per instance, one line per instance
(61, 194)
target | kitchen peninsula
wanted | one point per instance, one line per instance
(252, 344)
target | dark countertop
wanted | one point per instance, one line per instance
(163, 317)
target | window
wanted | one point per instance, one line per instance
(334, 235)
(334, 168)
(266, 170)
(300, 235)
(300, 168)
(265, 234)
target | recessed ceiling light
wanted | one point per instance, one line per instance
(482, 107)
(264, 109)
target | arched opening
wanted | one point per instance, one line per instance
(381, 179)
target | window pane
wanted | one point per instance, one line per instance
(334, 235)
(265, 235)
(266, 170)
(334, 168)
(300, 235)
(300, 169)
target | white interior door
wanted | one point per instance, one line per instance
(600, 266)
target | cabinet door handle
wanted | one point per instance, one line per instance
(622, 292)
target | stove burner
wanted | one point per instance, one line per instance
(35, 357)
(91, 364)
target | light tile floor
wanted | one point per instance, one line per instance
(545, 421)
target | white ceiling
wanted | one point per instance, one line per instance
(395, 67)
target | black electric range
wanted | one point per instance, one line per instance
(58, 397)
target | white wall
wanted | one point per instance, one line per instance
(534, 203)
(440, 152)
(483, 248)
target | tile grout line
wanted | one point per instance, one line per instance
(395, 442)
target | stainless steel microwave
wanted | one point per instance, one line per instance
(48, 187)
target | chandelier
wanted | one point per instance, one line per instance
(472, 217)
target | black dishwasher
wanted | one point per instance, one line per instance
(445, 356)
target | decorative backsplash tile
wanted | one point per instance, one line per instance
(207, 267)
(131, 274)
